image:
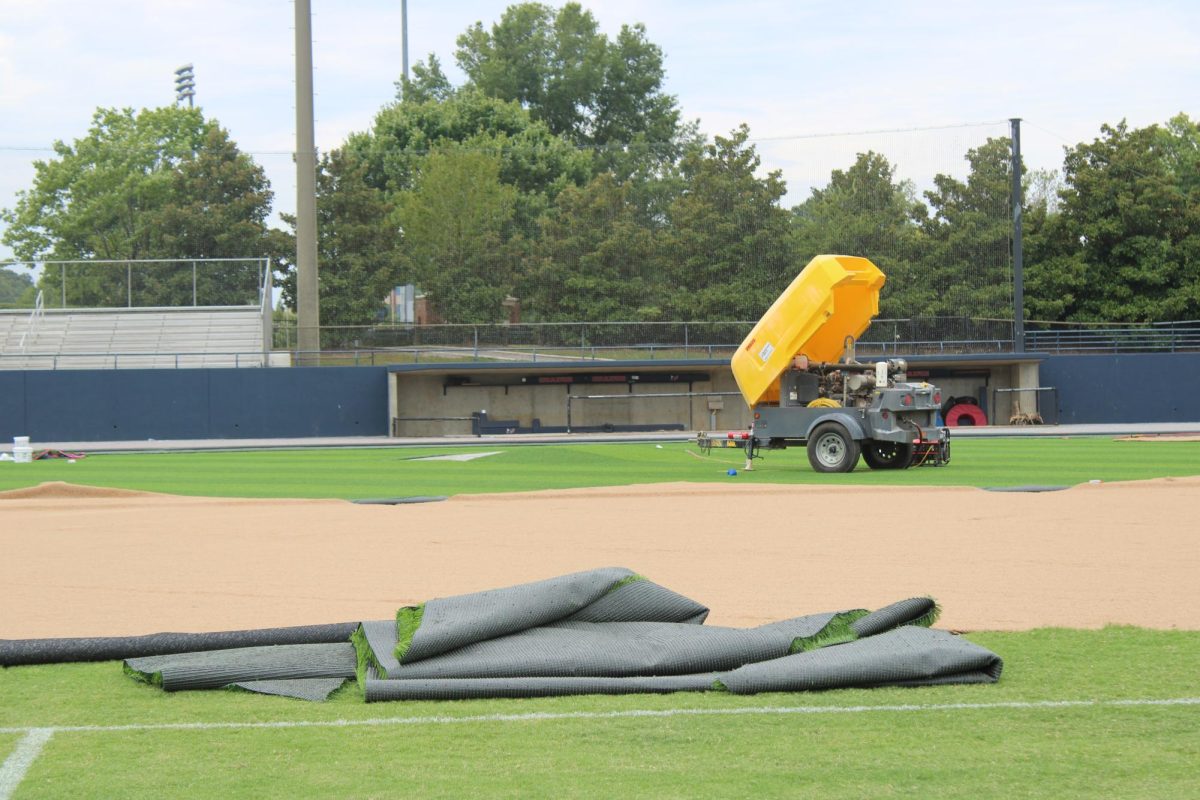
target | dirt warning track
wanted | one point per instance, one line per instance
(80, 561)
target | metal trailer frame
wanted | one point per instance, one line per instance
(897, 430)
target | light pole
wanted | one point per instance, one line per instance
(308, 304)
(185, 85)
(404, 38)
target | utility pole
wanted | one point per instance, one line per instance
(1018, 254)
(185, 85)
(308, 307)
(404, 37)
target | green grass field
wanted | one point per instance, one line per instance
(393, 472)
(1107, 713)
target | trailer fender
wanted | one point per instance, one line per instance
(852, 425)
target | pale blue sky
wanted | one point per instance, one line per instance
(791, 70)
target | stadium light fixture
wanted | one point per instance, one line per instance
(185, 85)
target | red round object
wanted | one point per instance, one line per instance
(966, 414)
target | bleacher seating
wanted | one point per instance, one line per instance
(132, 338)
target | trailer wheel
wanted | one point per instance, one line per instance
(887, 455)
(832, 449)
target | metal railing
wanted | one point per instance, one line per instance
(385, 344)
(1163, 337)
(594, 341)
(35, 316)
(99, 360)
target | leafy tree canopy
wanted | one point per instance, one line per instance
(584, 86)
(727, 251)
(863, 209)
(1128, 232)
(532, 158)
(459, 244)
(358, 244)
(967, 262)
(595, 258)
(16, 288)
(157, 183)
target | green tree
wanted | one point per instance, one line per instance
(864, 211)
(217, 208)
(158, 183)
(428, 83)
(16, 288)
(557, 64)
(459, 245)
(596, 259)
(727, 252)
(532, 159)
(358, 244)
(967, 266)
(1053, 275)
(1126, 241)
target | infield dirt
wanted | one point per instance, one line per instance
(83, 561)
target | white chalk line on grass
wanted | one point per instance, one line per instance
(13, 770)
(541, 716)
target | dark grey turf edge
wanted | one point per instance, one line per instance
(15, 652)
(216, 668)
(399, 501)
(465, 688)
(315, 690)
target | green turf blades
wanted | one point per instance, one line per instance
(626, 581)
(919, 611)
(408, 619)
(149, 678)
(364, 656)
(927, 619)
(836, 631)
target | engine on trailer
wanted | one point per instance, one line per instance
(850, 384)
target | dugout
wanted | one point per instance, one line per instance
(447, 399)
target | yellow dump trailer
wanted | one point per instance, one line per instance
(832, 298)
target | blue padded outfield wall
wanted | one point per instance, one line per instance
(126, 404)
(129, 404)
(1137, 387)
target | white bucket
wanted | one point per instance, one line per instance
(22, 454)
(21, 441)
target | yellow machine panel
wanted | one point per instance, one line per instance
(832, 298)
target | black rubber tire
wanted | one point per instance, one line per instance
(831, 448)
(887, 455)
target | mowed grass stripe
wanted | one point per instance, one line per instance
(354, 473)
(1002, 753)
(547, 716)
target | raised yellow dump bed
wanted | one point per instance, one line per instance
(832, 298)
